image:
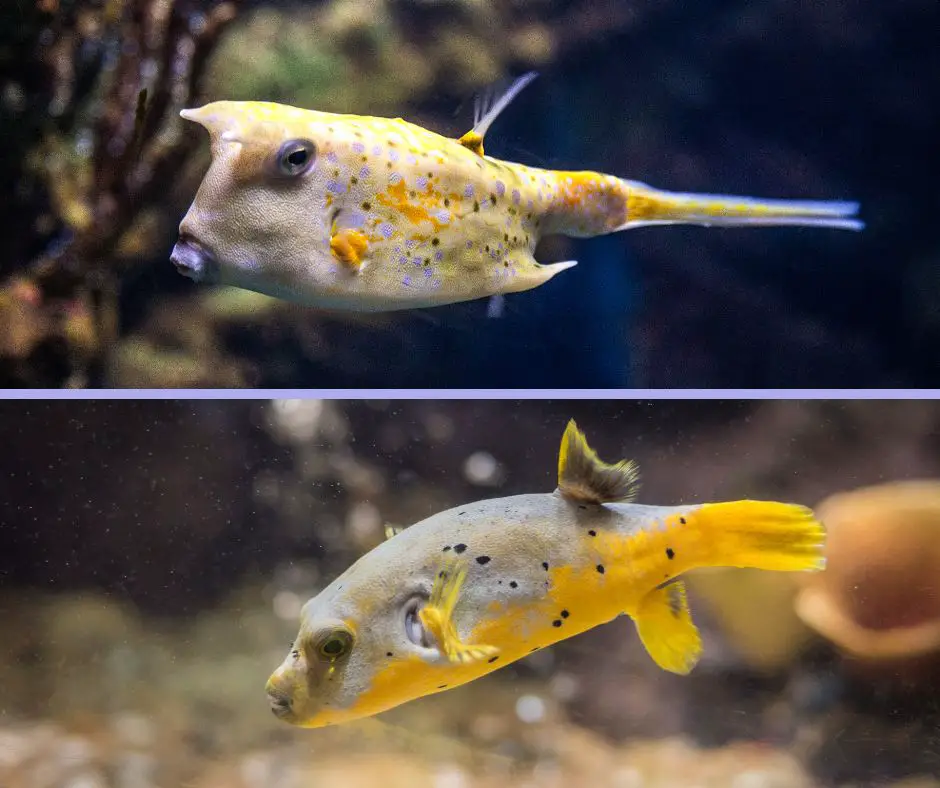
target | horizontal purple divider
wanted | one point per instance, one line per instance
(492, 394)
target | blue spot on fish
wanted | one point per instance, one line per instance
(386, 229)
(335, 187)
(500, 188)
(468, 191)
(358, 147)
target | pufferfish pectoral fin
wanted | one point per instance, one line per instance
(665, 626)
(437, 617)
(349, 247)
(582, 476)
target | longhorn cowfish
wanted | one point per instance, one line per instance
(374, 214)
(472, 589)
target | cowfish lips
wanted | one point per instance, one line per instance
(257, 221)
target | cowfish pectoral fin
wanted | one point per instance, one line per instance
(666, 629)
(582, 476)
(437, 617)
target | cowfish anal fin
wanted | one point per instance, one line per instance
(437, 617)
(666, 629)
(583, 477)
(488, 107)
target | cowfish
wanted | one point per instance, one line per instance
(375, 214)
(477, 587)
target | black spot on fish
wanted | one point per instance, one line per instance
(389, 654)
(670, 553)
(446, 548)
(556, 622)
(442, 574)
(442, 686)
(592, 532)
(476, 205)
(459, 548)
(493, 199)
(354, 180)
(582, 506)
(367, 206)
(461, 514)
(682, 520)
(600, 568)
(565, 614)
(482, 560)
(491, 660)
(545, 565)
(446, 202)
(513, 584)
(435, 241)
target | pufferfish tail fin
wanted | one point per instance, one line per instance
(584, 477)
(488, 107)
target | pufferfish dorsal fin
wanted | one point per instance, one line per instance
(582, 476)
(487, 108)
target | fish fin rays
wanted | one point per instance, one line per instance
(583, 476)
(437, 617)
(488, 106)
(664, 624)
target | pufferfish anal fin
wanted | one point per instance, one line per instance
(487, 108)
(437, 617)
(583, 477)
(666, 629)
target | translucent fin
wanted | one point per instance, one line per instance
(392, 530)
(779, 537)
(437, 617)
(649, 206)
(490, 104)
(665, 626)
(488, 107)
(582, 476)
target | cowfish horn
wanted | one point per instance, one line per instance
(217, 118)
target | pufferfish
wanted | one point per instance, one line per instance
(374, 214)
(472, 589)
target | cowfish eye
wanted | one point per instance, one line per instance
(336, 645)
(295, 157)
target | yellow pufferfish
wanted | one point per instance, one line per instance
(472, 589)
(374, 214)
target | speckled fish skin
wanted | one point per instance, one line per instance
(539, 568)
(394, 216)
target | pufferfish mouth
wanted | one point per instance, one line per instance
(195, 261)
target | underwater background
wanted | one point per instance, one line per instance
(834, 100)
(154, 557)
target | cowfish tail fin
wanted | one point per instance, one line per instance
(759, 534)
(437, 617)
(488, 107)
(582, 476)
(665, 626)
(646, 206)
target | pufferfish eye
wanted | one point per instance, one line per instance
(335, 645)
(295, 157)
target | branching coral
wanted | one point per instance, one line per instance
(114, 74)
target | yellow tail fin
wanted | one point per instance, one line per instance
(759, 534)
(646, 205)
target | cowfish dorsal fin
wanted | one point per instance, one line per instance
(392, 530)
(487, 108)
(583, 476)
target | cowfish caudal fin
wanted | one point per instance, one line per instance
(665, 626)
(582, 476)
(646, 206)
(488, 107)
(779, 537)
(437, 617)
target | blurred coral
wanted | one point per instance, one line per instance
(107, 82)
(879, 598)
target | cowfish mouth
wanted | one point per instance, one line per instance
(194, 261)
